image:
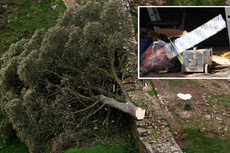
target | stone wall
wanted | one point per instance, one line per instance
(152, 134)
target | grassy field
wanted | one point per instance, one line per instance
(196, 2)
(22, 17)
(202, 144)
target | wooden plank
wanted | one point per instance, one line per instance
(220, 60)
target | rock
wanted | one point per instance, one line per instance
(226, 128)
(219, 128)
(149, 131)
(95, 128)
(224, 113)
(184, 96)
(175, 133)
(207, 116)
(218, 118)
(54, 7)
(173, 148)
(141, 130)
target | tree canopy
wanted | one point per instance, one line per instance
(53, 84)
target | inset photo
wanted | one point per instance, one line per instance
(183, 42)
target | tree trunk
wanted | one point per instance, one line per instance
(129, 108)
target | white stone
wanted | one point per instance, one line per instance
(54, 7)
(141, 130)
(207, 116)
(226, 128)
(184, 96)
(218, 118)
(173, 148)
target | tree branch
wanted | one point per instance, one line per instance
(129, 108)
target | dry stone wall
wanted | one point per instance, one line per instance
(152, 134)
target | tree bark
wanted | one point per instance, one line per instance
(128, 108)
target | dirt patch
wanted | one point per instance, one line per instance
(69, 3)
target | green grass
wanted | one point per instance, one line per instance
(128, 147)
(215, 84)
(15, 146)
(24, 20)
(187, 107)
(132, 89)
(179, 83)
(153, 91)
(153, 88)
(195, 83)
(143, 126)
(196, 2)
(202, 144)
(170, 129)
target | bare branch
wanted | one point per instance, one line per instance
(82, 110)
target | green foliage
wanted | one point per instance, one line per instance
(153, 88)
(170, 129)
(132, 89)
(7, 132)
(50, 82)
(187, 107)
(151, 93)
(143, 126)
(201, 144)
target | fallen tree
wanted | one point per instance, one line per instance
(53, 83)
